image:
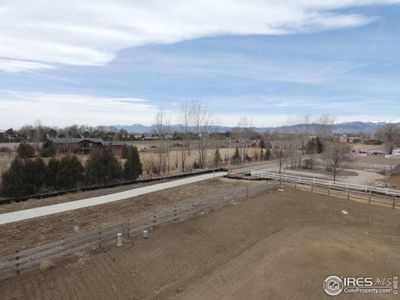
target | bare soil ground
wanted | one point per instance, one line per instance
(365, 147)
(348, 175)
(321, 171)
(34, 232)
(380, 160)
(276, 245)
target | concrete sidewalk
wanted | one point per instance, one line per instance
(68, 206)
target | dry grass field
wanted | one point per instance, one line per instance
(150, 157)
(377, 160)
(276, 245)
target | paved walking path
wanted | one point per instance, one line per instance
(68, 206)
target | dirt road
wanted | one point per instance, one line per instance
(277, 245)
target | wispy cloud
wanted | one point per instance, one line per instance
(19, 108)
(92, 32)
(14, 66)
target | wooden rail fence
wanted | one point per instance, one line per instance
(369, 194)
(22, 261)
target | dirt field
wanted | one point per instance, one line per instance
(30, 233)
(277, 245)
(376, 160)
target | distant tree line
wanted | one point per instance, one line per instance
(39, 133)
(28, 175)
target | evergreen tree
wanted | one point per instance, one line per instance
(195, 166)
(217, 158)
(23, 178)
(236, 157)
(13, 180)
(102, 167)
(25, 151)
(36, 171)
(267, 154)
(314, 146)
(48, 149)
(124, 151)
(262, 157)
(133, 165)
(70, 173)
(52, 174)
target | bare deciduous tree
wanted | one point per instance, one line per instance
(324, 127)
(243, 133)
(304, 131)
(162, 129)
(186, 118)
(280, 152)
(202, 121)
(336, 153)
(390, 134)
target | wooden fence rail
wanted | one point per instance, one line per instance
(371, 195)
(21, 261)
(326, 183)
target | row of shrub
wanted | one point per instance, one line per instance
(264, 155)
(27, 176)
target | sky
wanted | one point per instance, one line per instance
(118, 62)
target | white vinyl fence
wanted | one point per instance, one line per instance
(326, 183)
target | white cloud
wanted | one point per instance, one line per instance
(18, 109)
(91, 32)
(14, 66)
(21, 108)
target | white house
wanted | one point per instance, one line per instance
(396, 152)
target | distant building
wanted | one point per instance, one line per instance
(117, 147)
(394, 179)
(85, 145)
(396, 152)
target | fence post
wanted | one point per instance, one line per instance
(17, 271)
(175, 213)
(247, 191)
(100, 238)
(348, 194)
(369, 197)
(127, 228)
(394, 203)
(154, 220)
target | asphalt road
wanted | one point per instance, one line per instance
(68, 206)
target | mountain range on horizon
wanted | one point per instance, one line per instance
(338, 128)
